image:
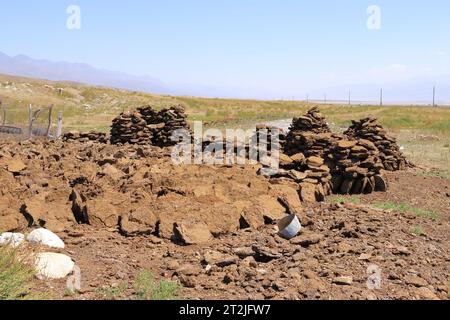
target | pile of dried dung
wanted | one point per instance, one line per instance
(164, 123)
(131, 127)
(357, 168)
(370, 129)
(313, 122)
(322, 163)
(148, 126)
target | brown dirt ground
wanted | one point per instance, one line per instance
(338, 240)
(412, 187)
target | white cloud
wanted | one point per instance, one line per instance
(440, 53)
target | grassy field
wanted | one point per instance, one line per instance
(16, 277)
(424, 132)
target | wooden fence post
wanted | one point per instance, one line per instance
(32, 116)
(30, 121)
(4, 113)
(59, 125)
(50, 110)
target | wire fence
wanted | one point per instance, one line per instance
(40, 122)
(377, 103)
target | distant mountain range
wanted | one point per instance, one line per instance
(25, 66)
(414, 91)
(78, 72)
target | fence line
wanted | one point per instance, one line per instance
(32, 118)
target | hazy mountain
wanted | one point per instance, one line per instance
(411, 91)
(43, 69)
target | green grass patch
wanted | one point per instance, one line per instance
(147, 288)
(417, 231)
(69, 293)
(351, 199)
(15, 277)
(113, 292)
(405, 207)
(444, 174)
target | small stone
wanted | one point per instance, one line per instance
(265, 254)
(371, 297)
(343, 281)
(219, 259)
(262, 271)
(426, 293)
(173, 265)
(415, 281)
(15, 166)
(308, 239)
(278, 286)
(345, 247)
(188, 282)
(393, 276)
(110, 171)
(155, 240)
(299, 256)
(188, 270)
(401, 250)
(46, 238)
(243, 252)
(193, 233)
(365, 257)
(228, 278)
(252, 217)
(250, 262)
(53, 265)
(309, 274)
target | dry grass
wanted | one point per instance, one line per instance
(145, 287)
(16, 277)
(406, 207)
(427, 147)
(424, 132)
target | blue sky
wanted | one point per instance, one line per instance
(261, 48)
